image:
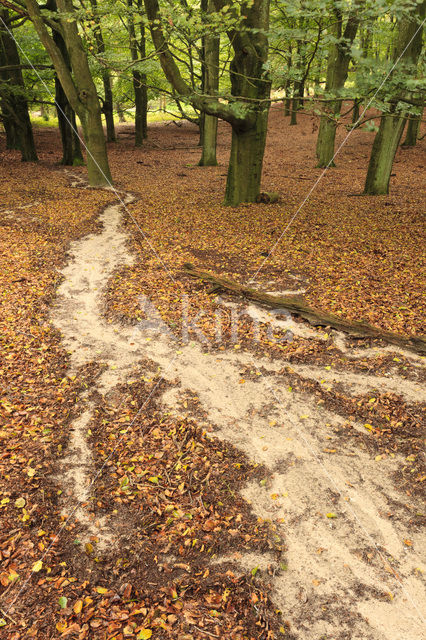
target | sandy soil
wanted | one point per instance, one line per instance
(349, 573)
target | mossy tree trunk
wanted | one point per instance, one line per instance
(246, 160)
(337, 73)
(79, 86)
(248, 108)
(383, 153)
(18, 126)
(406, 51)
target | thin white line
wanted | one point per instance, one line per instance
(316, 183)
(111, 186)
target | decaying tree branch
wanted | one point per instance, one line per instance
(297, 305)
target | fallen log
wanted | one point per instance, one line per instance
(297, 305)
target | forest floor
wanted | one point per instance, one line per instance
(177, 464)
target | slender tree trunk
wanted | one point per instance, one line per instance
(71, 149)
(407, 48)
(295, 104)
(355, 111)
(108, 108)
(137, 52)
(208, 128)
(337, 73)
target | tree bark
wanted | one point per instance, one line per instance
(18, 126)
(337, 73)
(108, 109)
(248, 110)
(208, 126)
(71, 148)
(413, 127)
(407, 48)
(137, 52)
(79, 86)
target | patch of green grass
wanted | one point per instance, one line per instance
(38, 121)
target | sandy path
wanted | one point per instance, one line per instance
(350, 576)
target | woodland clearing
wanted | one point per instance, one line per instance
(190, 477)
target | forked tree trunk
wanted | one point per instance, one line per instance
(337, 73)
(246, 161)
(79, 87)
(208, 128)
(247, 111)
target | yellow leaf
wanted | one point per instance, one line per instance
(144, 634)
(20, 503)
(37, 566)
(61, 626)
(331, 515)
(101, 590)
(78, 606)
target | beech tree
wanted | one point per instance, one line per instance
(210, 86)
(337, 72)
(77, 84)
(13, 99)
(406, 51)
(246, 109)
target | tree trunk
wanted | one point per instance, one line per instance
(19, 130)
(294, 104)
(355, 112)
(9, 127)
(247, 110)
(337, 73)
(245, 162)
(79, 87)
(407, 48)
(71, 149)
(326, 137)
(412, 131)
(137, 52)
(208, 128)
(383, 153)
(108, 109)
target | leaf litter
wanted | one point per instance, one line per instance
(185, 486)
